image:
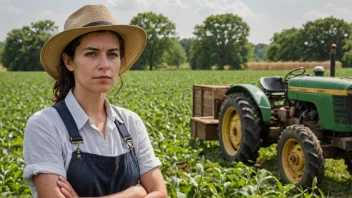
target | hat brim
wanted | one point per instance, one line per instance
(134, 37)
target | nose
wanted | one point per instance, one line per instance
(104, 63)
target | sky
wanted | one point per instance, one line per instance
(264, 17)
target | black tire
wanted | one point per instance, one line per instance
(348, 162)
(250, 128)
(264, 136)
(305, 149)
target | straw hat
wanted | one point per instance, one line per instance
(87, 19)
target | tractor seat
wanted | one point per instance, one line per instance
(272, 85)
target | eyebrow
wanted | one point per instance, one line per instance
(96, 49)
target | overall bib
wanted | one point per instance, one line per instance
(97, 175)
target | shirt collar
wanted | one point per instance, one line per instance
(112, 115)
(76, 110)
(80, 116)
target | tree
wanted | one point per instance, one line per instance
(2, 46)
(273, 51)
(320, 34)
(23, 46)
(312, 42)
(175, 54)
(1, 53)
(347, 56)
(186, 44)
(199, 59)
(221, 40)
(285, 46)
(159, 29)
(347, 59)
(259, 52)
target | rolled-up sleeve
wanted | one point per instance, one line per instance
(41, 149)
(146, 157)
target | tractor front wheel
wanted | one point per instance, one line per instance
(300, 157)
(239, 128)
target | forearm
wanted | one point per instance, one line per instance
(154, 183)
(133, 191)
(138, 191)
(156, 194)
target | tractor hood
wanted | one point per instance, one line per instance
(330, 96)
(320, 85)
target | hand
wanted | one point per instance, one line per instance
(136, 191)
(142, 190)
(66, 188)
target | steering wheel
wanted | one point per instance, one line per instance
(294, 73)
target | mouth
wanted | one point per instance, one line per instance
(102, 77)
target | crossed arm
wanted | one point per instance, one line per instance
(152, 186)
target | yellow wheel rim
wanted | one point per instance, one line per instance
(231, 131)
(293, 161)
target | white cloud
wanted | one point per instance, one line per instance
(315, 14)
(203, 8)
(126, 4)
(13, 9)
(344, 12)
(57, 17)
(46, 14)
(330, 10)
(3, 2)
(137, 5)
(329, 5)
(207, 7)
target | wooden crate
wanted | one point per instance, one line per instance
(204, 128)
(207, 99)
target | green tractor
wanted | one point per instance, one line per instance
(310, 117)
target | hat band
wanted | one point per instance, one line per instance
(98, 23)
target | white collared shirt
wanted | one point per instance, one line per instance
(47, 148)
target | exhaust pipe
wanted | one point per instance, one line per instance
(332, 60)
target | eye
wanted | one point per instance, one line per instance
(112, 54)
(90, 54)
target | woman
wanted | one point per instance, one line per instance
(82, 145)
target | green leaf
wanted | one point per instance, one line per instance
(241, 182)
(187, 189)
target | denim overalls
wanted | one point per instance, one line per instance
(97, 175)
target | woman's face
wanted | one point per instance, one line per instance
(96, 63)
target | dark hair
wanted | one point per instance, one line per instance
(66, 80)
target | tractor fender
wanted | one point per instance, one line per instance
(258, 96)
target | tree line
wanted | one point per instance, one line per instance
(2, 46)
(312, 42)
(220, 41)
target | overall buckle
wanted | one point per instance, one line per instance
(129, 142)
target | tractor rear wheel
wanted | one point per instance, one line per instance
(348, 162)
(300, 157)
(239, 128)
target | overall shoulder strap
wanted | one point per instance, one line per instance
(61, 108)
(122, 128)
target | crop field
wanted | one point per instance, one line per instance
(163, 99)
